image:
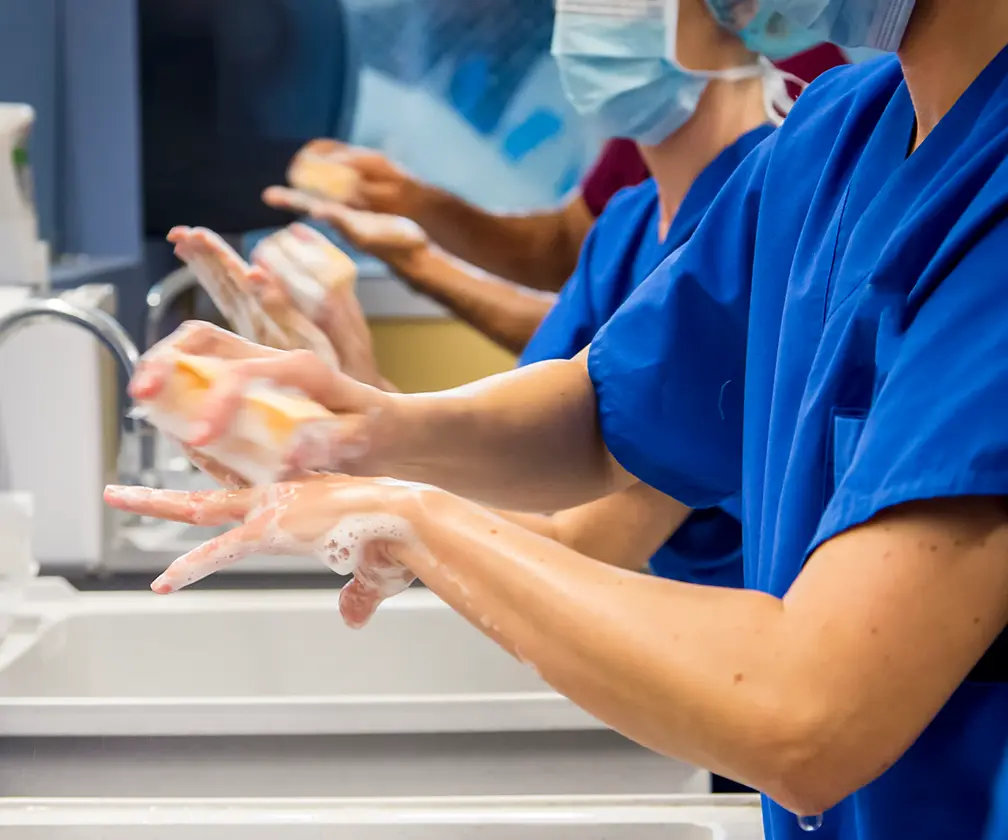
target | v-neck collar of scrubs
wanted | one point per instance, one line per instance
(698, 197)
(887, 174)
(888, 154)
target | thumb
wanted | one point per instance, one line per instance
(286, 198)
(304, 371)
(367, 162)
(358, 602)
(344, 219)
(378, 577)
(300, 370)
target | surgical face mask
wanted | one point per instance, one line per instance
(767, 32)
(879, 24)
(858, 55)
(618, 67)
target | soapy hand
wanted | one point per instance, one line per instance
(394, 240)
(252, 301)
(301, 259)
(346, 445)
(214, 468)
(223, 274)
(360, 527)
(379, 185)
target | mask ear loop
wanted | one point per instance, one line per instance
(731, 74)
(776, 99)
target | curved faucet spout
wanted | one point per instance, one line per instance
(100, 324)
(108, 331)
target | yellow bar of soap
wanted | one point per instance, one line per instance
(323, 177)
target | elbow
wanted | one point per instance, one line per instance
(805, 796)
(809, 763)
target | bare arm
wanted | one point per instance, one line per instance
(527, 439)
(807, 698)
(506, 313)
(538, 250)
(623, 529)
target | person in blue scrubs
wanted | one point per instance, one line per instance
(830, 344)
(692, 136)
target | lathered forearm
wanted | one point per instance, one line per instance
(693, 672)
(807, 698)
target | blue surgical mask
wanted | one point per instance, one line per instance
(879, 24)
(768, 32)
(618, 67)
(859, 55)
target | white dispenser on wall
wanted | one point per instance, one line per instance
(24, 259)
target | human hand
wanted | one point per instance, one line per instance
(303, 259)
(253, 302)
(394, 240)
(353, 443)
(213, 468)
(224, 275)
(361, 527)
(373, 182)
(364, 527)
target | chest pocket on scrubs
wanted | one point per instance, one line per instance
(847, 428)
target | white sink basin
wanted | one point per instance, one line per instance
(269, 694)
(243, 663)
(668, 818)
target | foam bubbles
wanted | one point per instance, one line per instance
(342, 548)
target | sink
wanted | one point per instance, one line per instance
(266, 662)
(268, 693)
(623, 818)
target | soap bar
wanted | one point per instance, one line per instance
(310, 267)
(270, 424)
(323, 176)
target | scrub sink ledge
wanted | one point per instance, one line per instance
(681, 817)
(259, 663)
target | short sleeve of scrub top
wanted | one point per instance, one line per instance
(619, 251)
(669, 367)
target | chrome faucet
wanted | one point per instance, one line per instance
(110, 333)
(160, 299)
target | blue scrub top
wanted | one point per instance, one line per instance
(832, 341)
(997, 823)
(619, 253)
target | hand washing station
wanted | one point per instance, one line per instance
(269, 694)
(611, 818)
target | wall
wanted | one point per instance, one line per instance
(429, 355)
(28, 62)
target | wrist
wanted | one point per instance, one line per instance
(417, 200)
(395, 436)
(417, 267)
